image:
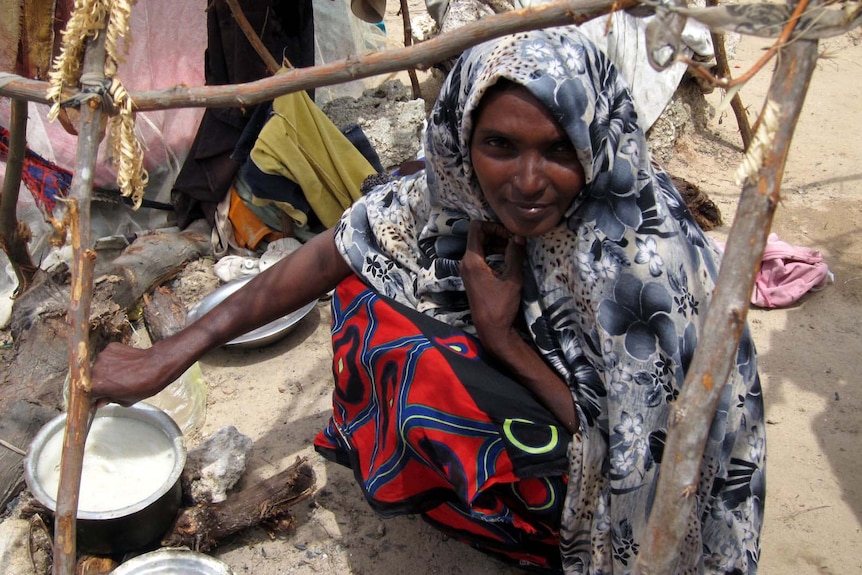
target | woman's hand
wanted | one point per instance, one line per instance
(126, 375)
(495, 301)
(494, 297)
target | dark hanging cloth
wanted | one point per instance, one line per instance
(286, 29)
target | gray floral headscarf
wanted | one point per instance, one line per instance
(614, 297)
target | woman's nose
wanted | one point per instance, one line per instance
(531, 178)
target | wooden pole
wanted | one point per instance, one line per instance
(418, 56)
(694, 410)
(408, 41)
(13, 235)
(80, 411)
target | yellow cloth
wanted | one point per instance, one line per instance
(300, 143)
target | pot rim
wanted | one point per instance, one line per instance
(141, 412)
(178, 560)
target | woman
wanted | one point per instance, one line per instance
(540, 227)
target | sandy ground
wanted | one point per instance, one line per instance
(809, 357)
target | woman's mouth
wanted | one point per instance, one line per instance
(531, 211)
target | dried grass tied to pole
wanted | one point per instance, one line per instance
(127, 154)
(90, 18)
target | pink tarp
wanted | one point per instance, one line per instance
(166, 48)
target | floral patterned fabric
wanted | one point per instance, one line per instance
(614, 297)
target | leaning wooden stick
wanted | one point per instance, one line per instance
(674, 503)
(80, 412)
(722, 70)
(408, 41)
(13, 235)
(272, 65)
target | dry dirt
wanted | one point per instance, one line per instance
(810, 360)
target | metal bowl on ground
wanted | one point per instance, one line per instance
(264, 335)
(152, 461)
(173, 562)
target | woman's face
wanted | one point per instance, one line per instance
(525, 163)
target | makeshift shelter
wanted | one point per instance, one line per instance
(764, 218)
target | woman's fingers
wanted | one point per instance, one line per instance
(487, 238)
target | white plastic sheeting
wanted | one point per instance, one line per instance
(620, 35)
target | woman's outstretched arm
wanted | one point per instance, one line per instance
(125, 375)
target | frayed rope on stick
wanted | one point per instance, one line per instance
(90, 18)
(753, 160)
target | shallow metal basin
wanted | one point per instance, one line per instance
(265, 335)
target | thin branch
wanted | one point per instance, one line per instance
(12, 448)
(722, 70)
(782, 41)
(419, 56)
(14, 235)
(727, 82)
(80, 411)
(271, 65)
(408, 41)
(796, 514)
(725, 319)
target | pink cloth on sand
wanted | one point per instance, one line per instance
(788, 272)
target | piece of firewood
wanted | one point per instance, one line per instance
(164, 313)
(202, 527)
(94, 565)
(706, 213)
(40, 545)
(150, 261)
(17, 427)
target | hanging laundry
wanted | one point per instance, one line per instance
(300, 143)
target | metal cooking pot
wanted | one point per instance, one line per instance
(135, 527)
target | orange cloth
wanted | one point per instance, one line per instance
(248, 229)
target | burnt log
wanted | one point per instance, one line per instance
(164, 313)
(205, 525)
(18, 425)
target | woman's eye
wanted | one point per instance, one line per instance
(562, 148)
(497, 142)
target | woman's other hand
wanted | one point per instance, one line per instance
(495, 301)
(494, 296)
(126, 375)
